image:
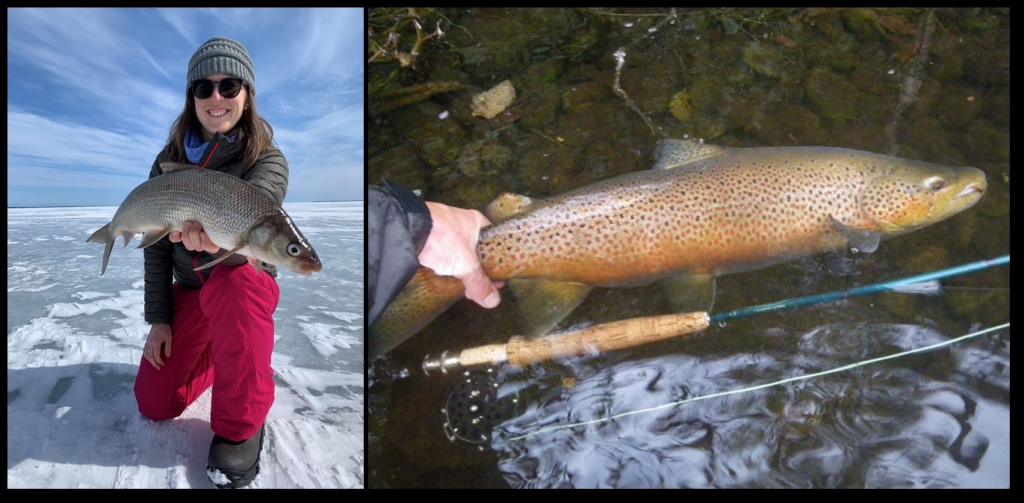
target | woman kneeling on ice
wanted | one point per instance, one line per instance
(220, 318)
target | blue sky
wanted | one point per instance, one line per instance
(92, 94)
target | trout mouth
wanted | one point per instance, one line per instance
(977, 188)
(968, 196)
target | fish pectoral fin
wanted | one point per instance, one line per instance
(506, 205)
(257, 265)
(861, 239)
(148, 238)
(689, 293)
(542, 304)
(222, 257)
(418, 303)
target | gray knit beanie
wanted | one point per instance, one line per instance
(221, 55)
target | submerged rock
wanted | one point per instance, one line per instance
(490, 103)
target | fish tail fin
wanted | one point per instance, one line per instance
(103, 235)
(106, 254)
(423, 299)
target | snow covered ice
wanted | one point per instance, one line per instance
(74, 342)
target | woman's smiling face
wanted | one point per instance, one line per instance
(218, 114)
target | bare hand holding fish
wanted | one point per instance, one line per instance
(194, 239)
(447, 253)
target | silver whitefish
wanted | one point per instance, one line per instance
(235, 215)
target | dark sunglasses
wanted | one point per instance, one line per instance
(228, 88)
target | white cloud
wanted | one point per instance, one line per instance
(324, 53)
(42, 151)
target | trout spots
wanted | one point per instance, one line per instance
(731, 207)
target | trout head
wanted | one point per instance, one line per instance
(276, 240)
(914, 194)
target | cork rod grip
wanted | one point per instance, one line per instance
(605, 337)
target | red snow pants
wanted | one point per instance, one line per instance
(221, 335)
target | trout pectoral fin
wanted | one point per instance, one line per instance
(863, 240)
(542, 304)
(222, 257)
(689, 293)
(256, 265)
(420, 301)
(148, 237)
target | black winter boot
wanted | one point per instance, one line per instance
(234, 464)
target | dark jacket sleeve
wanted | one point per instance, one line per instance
(158, 266)
(270, 174)
(398, 223)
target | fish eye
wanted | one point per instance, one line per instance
(935, 184)
(294, 249)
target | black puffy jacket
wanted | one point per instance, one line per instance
(166, 261)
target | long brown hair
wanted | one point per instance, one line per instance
(256, 130)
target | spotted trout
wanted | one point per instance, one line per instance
(236, 216)
(704, 211)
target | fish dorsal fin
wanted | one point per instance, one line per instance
(175, 166)
(507, 205)
(674, 153)
(542, 304)
(861, 239)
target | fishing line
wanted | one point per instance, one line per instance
(763, 386)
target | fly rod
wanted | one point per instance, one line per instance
(519, 351)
